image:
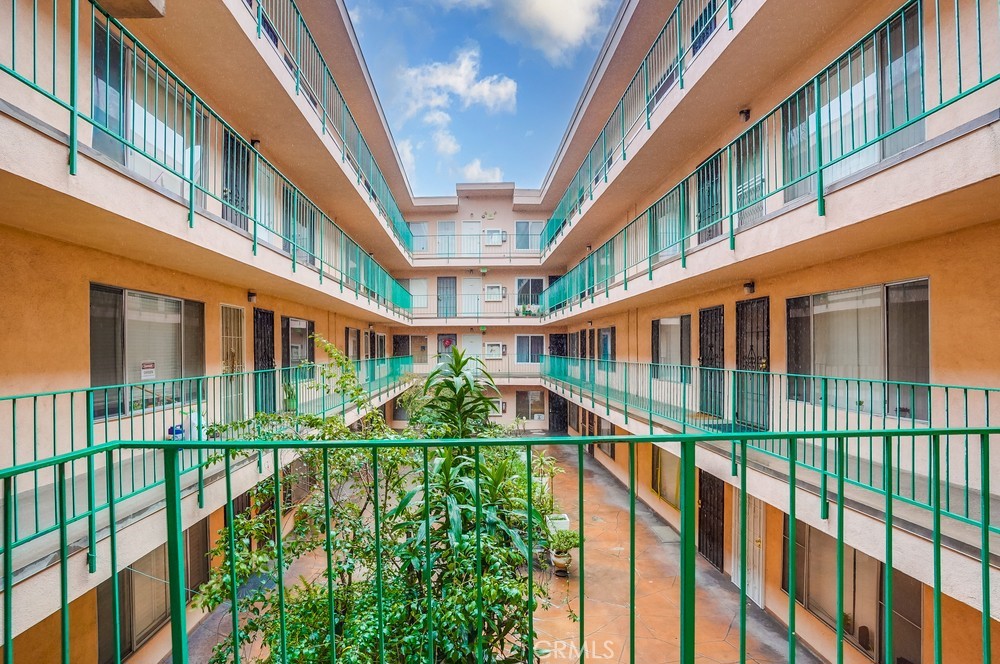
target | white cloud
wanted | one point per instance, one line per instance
(405, 149)
(437, 85)
(437, 118)
(557, 28)
(445, 143)
(475, 172)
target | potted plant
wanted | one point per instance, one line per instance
(559, 545)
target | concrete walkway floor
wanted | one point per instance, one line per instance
(606, 609)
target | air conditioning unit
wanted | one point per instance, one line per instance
(495, 292)
(495, 237)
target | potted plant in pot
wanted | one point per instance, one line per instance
(559, 546)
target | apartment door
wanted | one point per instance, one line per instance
(447, 297)
(472, 344)
(711, 360)
(446, 342)
(446, 238)
(753, 359)
(265, 381)
(235, 181)
(558, 413)
(709, 211)
(472, 296)
(558, 345)
(233, 364)
(754, 533)
(711, 518)
(471, 231)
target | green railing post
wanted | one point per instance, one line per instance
(256, 196)
(621, 115)
(645, 84)
(200, 435)
(109, 463)
(294, 230)
(732, 419)
(841, 469)
(8, 570)
(732, 196)
(649, 373)
(62, 519)
(824, 507)
(887, 589)
(74, 85)
(743, 551)
(820, 199)
(689, 504)
(936, 540)
(680, 47)
(792, 552)
(191, 148)
(625, 391)
(631, 554)
(175, 555)
(985, 497)
(91, 490)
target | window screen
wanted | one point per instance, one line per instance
(530, 348)
(107, 347)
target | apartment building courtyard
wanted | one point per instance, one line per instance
(740, 257)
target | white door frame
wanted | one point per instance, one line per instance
(472, 295)
(755, 547)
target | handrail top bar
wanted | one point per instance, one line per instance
(629, 439)
(193, 379)
(532, 441)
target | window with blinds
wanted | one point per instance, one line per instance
(147, 342)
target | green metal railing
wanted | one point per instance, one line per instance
(687, 31)
(591, 584)
(700, 399)
(463, 247)
(875, 101)
(281, 22)
(36, 427)
(146, 120)
(451, 306)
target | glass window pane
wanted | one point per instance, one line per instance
(848, 343)
(107, 346)
(149, 593)
(908, 348)
(194, 339)
(152, 347)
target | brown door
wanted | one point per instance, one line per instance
(711, 518)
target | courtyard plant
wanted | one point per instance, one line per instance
(440, 575)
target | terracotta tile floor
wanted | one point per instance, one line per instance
(657, 615)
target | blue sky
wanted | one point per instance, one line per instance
(479, 90)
